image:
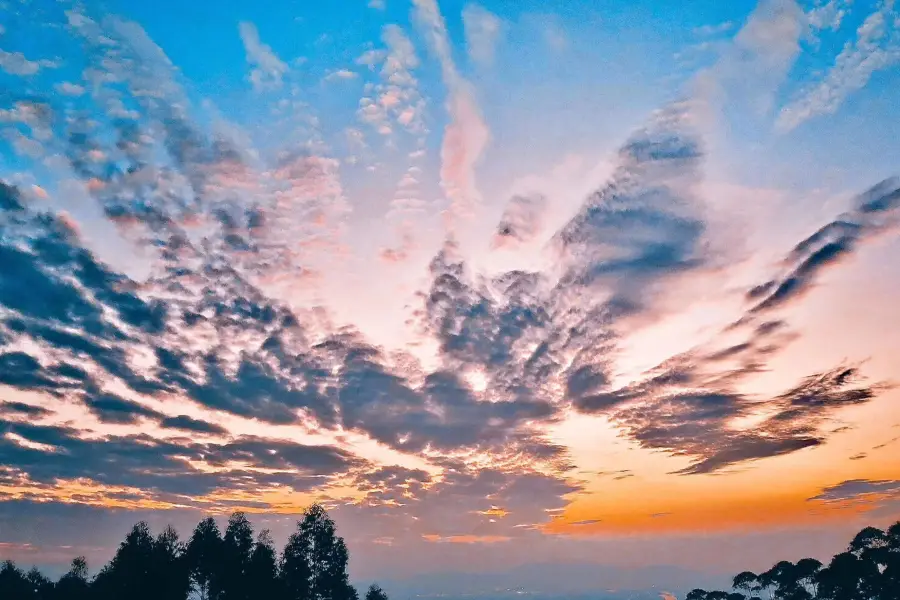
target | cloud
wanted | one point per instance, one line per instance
(521, 221)
(341, 75)
(400, 253)
(267, 69)
(644, 225)
(483, 30)
(876, 47)
(699, 425)
(498, 504)
(873, 212)
(829, 15)
(757, 62)
(858, 489)
(466, 135)
(186, 423)
(396, 98)
(70, 89)
(713, 30)
(15, 63)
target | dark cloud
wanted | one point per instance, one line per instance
(9, 408)
(699, 426)
(644, 225)
(857, 489)
(185, 423)
(828, 246)
(110, 408)
(140, 461)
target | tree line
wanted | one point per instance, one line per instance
(235, 565)
(869, 569)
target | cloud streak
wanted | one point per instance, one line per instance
(466, 135)
(876, 47)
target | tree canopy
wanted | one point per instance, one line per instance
(210, 565)
(869, 569)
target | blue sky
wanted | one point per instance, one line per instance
(542, 271)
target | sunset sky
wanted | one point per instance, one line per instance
(500, 283)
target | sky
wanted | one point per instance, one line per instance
(511, 287)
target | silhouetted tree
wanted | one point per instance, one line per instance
(237, 547)
(891, 574)
(746, 582)
(263, 569)
(13, 583)
(42, 587)
(314, 563)
(296, 571)
(868, 570)
(74, 584)
(169, 567)
(375, 593)
(130, 574)
(204, 560)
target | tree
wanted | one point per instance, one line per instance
(296, 571)
(891, 574)
(376, 593)
(74, 584)
(327, 556)
(746, 581)
(130, 573)
(314, 564)
(262, 574)
(237, 547)
(42, 587)
(169, 566)
(13, 583)
(204, 560)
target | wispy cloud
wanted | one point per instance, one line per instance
(267, 70)
(466, 135)
(484, 31)
(758, 60)
(876, 47)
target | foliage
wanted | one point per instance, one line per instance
(210, 566)
(868, 570)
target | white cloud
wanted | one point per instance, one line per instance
(876, 47)
(756, 64)
(712, 30)
(340, 75)
(15, 63)
(267, 69)
(69, 89)
(828, 16)
(483, 30)
(377, 4)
